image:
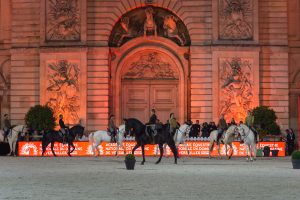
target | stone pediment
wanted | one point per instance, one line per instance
(150, 66)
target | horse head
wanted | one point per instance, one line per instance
(77, 130)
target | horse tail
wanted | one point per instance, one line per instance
(91, 138)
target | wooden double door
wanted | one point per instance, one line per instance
(140, 96)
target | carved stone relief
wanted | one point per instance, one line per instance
(150, 66)
(62, 90)
(236, 87)
(62, 20)
(236, 19)
(149, 21)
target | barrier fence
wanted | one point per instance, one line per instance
(196, 149)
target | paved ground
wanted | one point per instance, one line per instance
(106, 178)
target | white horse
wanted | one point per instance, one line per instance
(228, 137)
(180, 137)
(248, 137)
(102, 136)
(12, 137)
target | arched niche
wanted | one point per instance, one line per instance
(167, 52)
(149, 21)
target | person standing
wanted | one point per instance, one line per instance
(222, 126)
(112, 128)
(6, 126)
(205, 130)
(290, 140)
(195, 130)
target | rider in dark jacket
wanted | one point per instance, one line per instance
(63, 129)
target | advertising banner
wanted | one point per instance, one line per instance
(196, 149)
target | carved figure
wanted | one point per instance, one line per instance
(63, 20)
(150, 66)
(171, 30)
(234, 22)
(149, 24)
(236, 88)
(128, 33)
(63, 89)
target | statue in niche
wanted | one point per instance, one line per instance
(150, 66)
(127, 31)
(149, 24)
(235, 22)
(236, 88)
(63, 90)
(171, 30)
(63, 20)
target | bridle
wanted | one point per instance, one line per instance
(246, 135)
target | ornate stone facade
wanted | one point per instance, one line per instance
(62, 77)
(236, 19)
(236, 87)
(63, 89)
(63, 20)
(149, 21)
(150, 66)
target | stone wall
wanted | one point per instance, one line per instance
(271, 28)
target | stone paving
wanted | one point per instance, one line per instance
(106, 178)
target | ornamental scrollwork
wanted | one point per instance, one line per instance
(63, 89)
(236, 19)
(62, 20)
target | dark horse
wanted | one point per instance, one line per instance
(54, 136)
(142, 138)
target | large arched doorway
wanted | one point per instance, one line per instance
(150, 79)
(149, 48)
(149, 73)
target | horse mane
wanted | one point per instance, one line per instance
(136, 121)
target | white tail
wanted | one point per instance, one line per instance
(91, 140)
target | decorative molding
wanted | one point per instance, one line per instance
(63, 22)
(235, 21)
(63, 85)
(150, 66)
(149, 21)
(235, 84)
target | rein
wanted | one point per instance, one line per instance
(248, 133)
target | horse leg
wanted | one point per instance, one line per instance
(161, 149)
(72, 145)
(135, 147)
(122, 145)
(13, 146)
(165, 149)
(230, 145)
(226, 151)
(255, 151)
(44, 146)
(117, 149)
(143, 154)
(69, 149)
(247, 152)
(211, 147)
(52, 146)
(173, 148)
(219, 147)
(156, 150)
(187, 149)
(10, 146)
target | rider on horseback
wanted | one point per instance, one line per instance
(151, 124)
(249, 121)
(63, 129)
(222, 126)
(7, 126)
(173, 124)
(112, 128)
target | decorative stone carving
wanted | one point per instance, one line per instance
(235, 83)
(149, 24)
(236, 92)
(148, 21)
(63, 90)
(236, 19)
(150, 66)
(62, 20)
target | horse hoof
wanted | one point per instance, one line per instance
(157, 162)
(142, 163)
(175, 162)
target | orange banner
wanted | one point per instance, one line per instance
(196, 149)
